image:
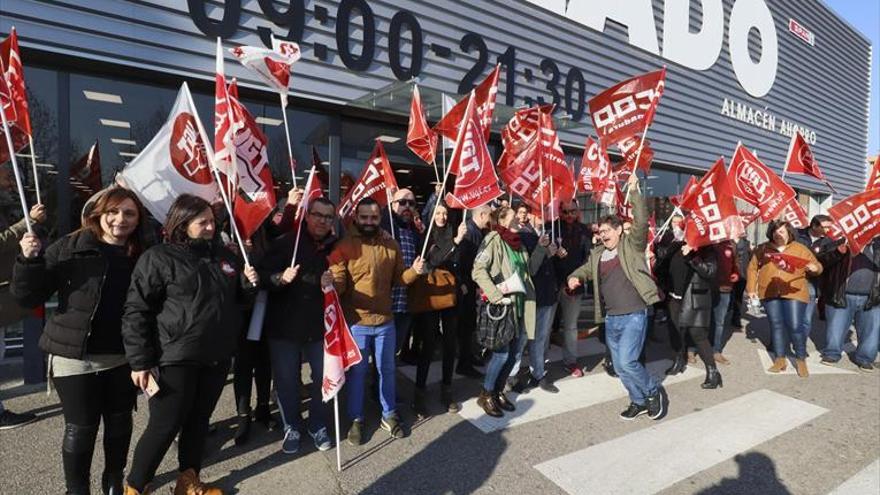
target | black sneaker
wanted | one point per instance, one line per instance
(523, 385)
(10, 420)
(354, 432)
(866, 367)
(391, 424)
(655, 406)
(547, 386)
(827, 361)
(633, 411)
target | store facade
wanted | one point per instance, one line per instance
(738, 70)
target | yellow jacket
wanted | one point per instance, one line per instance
(769, 281)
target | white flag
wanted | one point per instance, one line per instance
(446, 105)
(175, 162)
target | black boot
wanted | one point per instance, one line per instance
(263, 415)
(678, 365)
(487, 402)
(117, 438)
(448, 402)
(418, 404)
(713, 378)
(76, 453)
(242, 429)
(503, 402)
(608, 365)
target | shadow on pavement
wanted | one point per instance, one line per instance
(757, 474)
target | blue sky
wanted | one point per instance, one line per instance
(864, 15)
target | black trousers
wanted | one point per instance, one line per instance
(85, 401)
(736, 302)
(427, 326)
(187, 397)
(252, 365)
(466, 326)
(700, 335)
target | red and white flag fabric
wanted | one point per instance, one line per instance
(786, 262)
(794, 214)
(678, 199)
(629, 148)
(561, 180)
(712, 215)
(800, 160)
(476, 183)
(858, 218)
(486, 93)
(340, 350)
(420, 139)
(225, 126)
(255, 192)
(873, 177)
(85, 174)
(756, 184)
(176, 161)
(377, 181)
(624, 209)
(13, 95)
(271, 66)
(522, 129)
(626, 109)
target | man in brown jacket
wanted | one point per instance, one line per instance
(364, 266)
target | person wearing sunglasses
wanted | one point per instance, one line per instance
(402, 226)
(574, 240)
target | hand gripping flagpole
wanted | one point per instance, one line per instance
(34, 165)
(8, 133)
(645, 132)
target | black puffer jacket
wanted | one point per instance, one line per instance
(182, 306)
(296, 311)
(702, 266)
(837, 267)
(75, 267)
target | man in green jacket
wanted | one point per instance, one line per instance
(624, 288)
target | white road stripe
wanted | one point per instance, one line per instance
(631, 464)
(864, 482)
(814, 365)
(574, 393)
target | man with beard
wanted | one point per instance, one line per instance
(403, 208)
(364, 267)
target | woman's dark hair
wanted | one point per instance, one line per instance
(106, 202)
(776, 224)
(184, 209)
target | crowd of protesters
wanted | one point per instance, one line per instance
(171, 319)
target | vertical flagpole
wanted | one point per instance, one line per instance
(287, 137)
(552, 211)
(667, 222)
(34, 165)
(302, 208)
(390, 213)
(338, 443)
(642, 141)
(8, 133)
(443, 110)
(434, 212)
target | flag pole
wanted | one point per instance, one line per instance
(217, 178)
(642, 140)
(302, 208)
(283, 99)
(434, 212)
(552, 211)
(34, 165)
(8, 133)
(390, 213)
(338, 443)
(668, 220)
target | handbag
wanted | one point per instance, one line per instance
(433, 292)
(496, 324)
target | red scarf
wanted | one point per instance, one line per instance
(510, 237)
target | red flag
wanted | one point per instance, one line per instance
(485, 94)
(419, 137)
(688, 188)
(376, 181)
(13, 97)
(624, 209)
(224, 125)
(340, 350)
(522, 128)
(627, 108)
(873, 179)
(85, 174)
(755, 183)
(800, 160)
(786, 262)
(858, 217)
(553, 160)
(255, 198)
(476, 183)
(794, 214)
(629, 147)
(713, 217)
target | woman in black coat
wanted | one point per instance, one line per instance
(90, 271)
(180, 329)
(690, 275)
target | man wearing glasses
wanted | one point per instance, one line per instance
(295, 291)
(403, 207)
(575, 245)
(624, 289)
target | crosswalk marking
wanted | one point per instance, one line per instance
(813, 365)
(864, 482)
(714, 435)
(574, 393)
(585, 347)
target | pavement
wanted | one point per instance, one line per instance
(760, 434)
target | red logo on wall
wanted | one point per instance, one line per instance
(188, 151)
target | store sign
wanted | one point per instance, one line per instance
(801, 32)
(763, 119)
(696, 50)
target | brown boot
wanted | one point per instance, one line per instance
(188, 483)
(487, 402)
(129, 490)
(779, 364)
(802, 368)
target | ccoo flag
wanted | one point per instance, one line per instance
(340, 350)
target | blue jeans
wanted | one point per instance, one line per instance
(502, 361)
(720, 320)
(867, 329)
(785, 317)
(538, 345)
(625, 336)
(379, 342)
(807, 320)
(286, 367)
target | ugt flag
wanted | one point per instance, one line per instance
(340, 350)
(756, 184)
(800, 160)
(713, 217)
(858, 217)
(476, 183)
(485, 94)
(13, 96)
(627, 109)
(177, 161)
(376, 181)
